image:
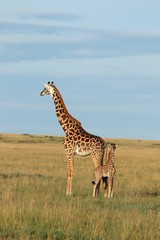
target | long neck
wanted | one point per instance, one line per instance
(111, 157)
(64, 118)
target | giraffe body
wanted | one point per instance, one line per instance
(106, 171)
(77, 140)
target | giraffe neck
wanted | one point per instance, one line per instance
(111, 157)
(64, 118)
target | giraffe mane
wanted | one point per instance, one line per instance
(74, 119)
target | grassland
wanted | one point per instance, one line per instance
(33, 204)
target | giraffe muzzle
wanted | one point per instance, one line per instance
(41, 94)
(44, 92)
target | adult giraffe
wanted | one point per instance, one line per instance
(77, 140)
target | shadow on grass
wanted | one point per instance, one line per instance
(16, 175)
(151, 194)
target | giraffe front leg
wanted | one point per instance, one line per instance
(69, 176)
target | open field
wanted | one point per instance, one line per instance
(33, 204)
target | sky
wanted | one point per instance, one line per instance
(103, 56)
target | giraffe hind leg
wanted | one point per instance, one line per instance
(110, 190)
(105, 183)
(98, 161)
(96, 185)
(95, 189)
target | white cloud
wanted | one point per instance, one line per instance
(26, 41)
(40, 38)
(49, 15)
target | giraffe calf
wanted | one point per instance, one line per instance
(104, 172)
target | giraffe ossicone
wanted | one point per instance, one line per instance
(77, 140)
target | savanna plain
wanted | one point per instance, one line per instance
(33, 201)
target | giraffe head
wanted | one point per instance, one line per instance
(113, 146)
(48, 89)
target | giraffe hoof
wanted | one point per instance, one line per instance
(69, 193)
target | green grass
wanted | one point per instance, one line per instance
(33, 204)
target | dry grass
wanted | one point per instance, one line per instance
(33, 204)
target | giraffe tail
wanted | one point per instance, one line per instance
(93, 182)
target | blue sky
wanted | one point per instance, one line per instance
(104, 57)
